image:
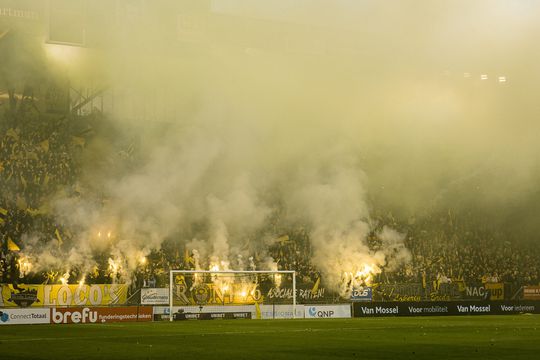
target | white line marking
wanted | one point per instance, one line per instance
(248, 332)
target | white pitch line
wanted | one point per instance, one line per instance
(194, 334)
(216, 333)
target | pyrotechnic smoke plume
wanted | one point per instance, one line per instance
(312, 112)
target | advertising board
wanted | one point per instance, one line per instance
(362, 294)
(531, 292)
(433, 308)
(154, 296)
(213, 316)
(281, 311)
(276, 311)
(100, 314)
(327, 311)
(24, 316)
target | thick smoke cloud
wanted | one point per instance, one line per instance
(318, 111)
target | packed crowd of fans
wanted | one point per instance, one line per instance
(445, 248)
(38, 159)
(449, 248)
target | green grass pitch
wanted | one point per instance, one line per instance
(466, 337)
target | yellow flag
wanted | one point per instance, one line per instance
(78, 141)
(12, 133)
(58, 237)
(316, 286)
(3, 213)
(283, 239)
(21, 203)
(257, 311)
(179, 280)
(188, 260)
(44, 145)
(12, 246)
(33, 212)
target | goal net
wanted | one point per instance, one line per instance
(208, 294)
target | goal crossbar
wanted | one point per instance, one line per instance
(234, 271)
(172, 272)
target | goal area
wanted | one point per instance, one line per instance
(231, 294)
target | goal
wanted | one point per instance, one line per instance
(230, 294)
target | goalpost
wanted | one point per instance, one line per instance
(223, 292)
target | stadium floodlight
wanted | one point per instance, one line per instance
(229, 291)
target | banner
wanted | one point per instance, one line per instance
(431, 308)
(204, 294)
(487, 291)
(496, 291)
(24, 316)
(443, 292)
(162, 310)
(416, 292)
(21, 296)
(100, 314)
(154, 296)
(212, 316)
(362, 294)
(286, 293)
(398, 292)
(531, 292)
(233, 292)
(63, 295)
(327, 311)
